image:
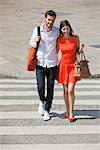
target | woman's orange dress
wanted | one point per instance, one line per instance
(67, 48)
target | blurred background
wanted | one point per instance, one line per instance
(18, 18)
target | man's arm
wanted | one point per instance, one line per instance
(33, 42)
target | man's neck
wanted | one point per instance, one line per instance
(47, 29)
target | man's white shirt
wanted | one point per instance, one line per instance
(47, 52)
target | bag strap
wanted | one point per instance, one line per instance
(38, 33)
(82, 56)
(36, 49)
(38, 30)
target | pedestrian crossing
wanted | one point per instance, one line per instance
(22, 128)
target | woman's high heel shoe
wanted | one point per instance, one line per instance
(67, 116)
(72, 119)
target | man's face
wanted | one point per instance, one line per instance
(49, 21)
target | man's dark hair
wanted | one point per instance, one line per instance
(50, 13)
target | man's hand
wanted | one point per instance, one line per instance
(38, 38)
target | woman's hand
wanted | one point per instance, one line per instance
(81, 48)
(78, 58)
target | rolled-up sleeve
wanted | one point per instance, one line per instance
(32, 41)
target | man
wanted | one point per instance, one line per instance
(47, 61)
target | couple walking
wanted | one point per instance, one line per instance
(51, 41)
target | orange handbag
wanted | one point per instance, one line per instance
(32, 58)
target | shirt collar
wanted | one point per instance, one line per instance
(42, 29)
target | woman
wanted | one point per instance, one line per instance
(68, 44)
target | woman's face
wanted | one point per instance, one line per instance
(65, 30)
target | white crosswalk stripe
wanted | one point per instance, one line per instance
(19, 130)
(21, 93)
(60, 102)
(21, 127)
(50, 147)
(29, 114)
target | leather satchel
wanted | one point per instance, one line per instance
(77, 69)
(84, 67)
(32, 58)
(81, 69)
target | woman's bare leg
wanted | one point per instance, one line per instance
(65, 92)
(71, 98)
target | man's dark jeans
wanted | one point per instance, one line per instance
(49, 74)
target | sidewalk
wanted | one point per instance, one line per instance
(18, 20)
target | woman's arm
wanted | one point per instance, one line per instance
(79, 47)
(57, 45)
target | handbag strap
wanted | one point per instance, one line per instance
(36, 49)
(38, 33)
(82, 56)
(38, 30)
